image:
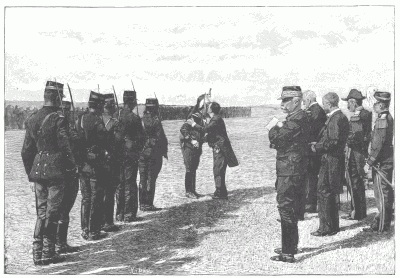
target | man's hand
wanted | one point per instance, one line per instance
(313, 146)
(195, 143)
(366, 168)
(32, 185)
(190, 121)
(279, 124)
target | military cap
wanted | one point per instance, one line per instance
(109, 100)
(382, 96)
(291, 91)
(129, 96)
(151, 102)
(354, 93)
(95, 99)
(54, 88)
(66, 104)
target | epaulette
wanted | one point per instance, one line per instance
(381, 122)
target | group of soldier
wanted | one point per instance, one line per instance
(314, 146)
(101, 152)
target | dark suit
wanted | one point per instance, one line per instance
(317, 119)
(331, 145)
(223, 153)
(291, 143)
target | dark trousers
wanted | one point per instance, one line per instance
(219, 170)
(286, 188)
(127, 190)
(110, 189)
(149, 168)
(329, 183)
(92, 190)
(311, 180)
(49, 196)
(384, 197)
(356, 186)
(191, 158)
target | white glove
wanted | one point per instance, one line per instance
(273, 122)
(366, 168)
(195, 143)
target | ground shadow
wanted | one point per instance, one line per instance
(154, 246)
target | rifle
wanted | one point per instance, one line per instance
(59, 96)
(137, 104)
(72, 104)
(116, 100)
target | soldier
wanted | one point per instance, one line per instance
(317, 118)
(191, 145)
(71, 186)
(381, 160)
(93, 173)
(47, 158)
(131, 131)
(290, 139)
(356, 153)
(223, 154)
(114, 164)
(331, 145)
(155, 148)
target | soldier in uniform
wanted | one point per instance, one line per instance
(223, 154)
(331, 145)
(47, 157)
(317, 118)
(71, 185)
(113, 165)
(191, 145)
(290, 139)
(131, 131)
(93, 173)
(155, 148)
(380, 158)
(356, 153)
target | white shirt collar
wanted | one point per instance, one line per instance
(333, 112)
(313, 103)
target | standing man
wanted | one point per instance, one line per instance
(317, 119)
(381, 160)
(290, 139)
(331, 146)
(114, 142)
(47, 158)
(356, 153)
(223, 154)
(131, 131)
(155, 148)
(71, 186)
(94, 167)
(191, 145)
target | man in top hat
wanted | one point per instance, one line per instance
(331, 146)
(155, 148)
(71, 184)
(113, 164)
(290, 139)
(93, 173)
(191, 145)
(47, 157)
(356, 153)
(131, 131)
(317, 118)
(380, 158)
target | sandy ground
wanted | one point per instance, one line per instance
(198, 236)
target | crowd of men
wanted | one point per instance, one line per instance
(102, 153)
(314, 147)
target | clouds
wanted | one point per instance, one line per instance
(245, 54)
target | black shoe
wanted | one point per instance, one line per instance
(65, 248)
(191, 195)
(283, 258)
(279, 251)
(198, 195)
(110, 228)
(120, 218)
(370, 230)
(218, 197)
(320, 234)
(97, 236)
(133, 219)
(53, 260)
(37, 262)
(151, 208)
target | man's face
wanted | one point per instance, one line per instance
(326, 105)
(306, 103)
(377, 107)
(351, 105)
(287, 105)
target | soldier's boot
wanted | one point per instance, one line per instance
(142, 196)
(49, 255)
(37, 245)
(61, 240)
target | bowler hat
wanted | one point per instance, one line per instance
(355, 94)
(382, 96)
(291, 91)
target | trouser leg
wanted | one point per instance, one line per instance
(97, 195)
(357, 190)
(311, 181)
(154, 170)
(70, 193)
(131, 189)
(41, 207)
(143, 168)
(85, 202)
(188, 181)
(300, 197)
(120, 195)
(219, 170)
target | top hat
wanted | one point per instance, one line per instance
(382, 96)
(151, 102)
(291, 91)
(129, 96)
(355, 94)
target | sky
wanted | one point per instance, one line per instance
(245, 54)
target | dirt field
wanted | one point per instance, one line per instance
(198, 237)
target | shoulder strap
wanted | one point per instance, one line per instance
(46, 118)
